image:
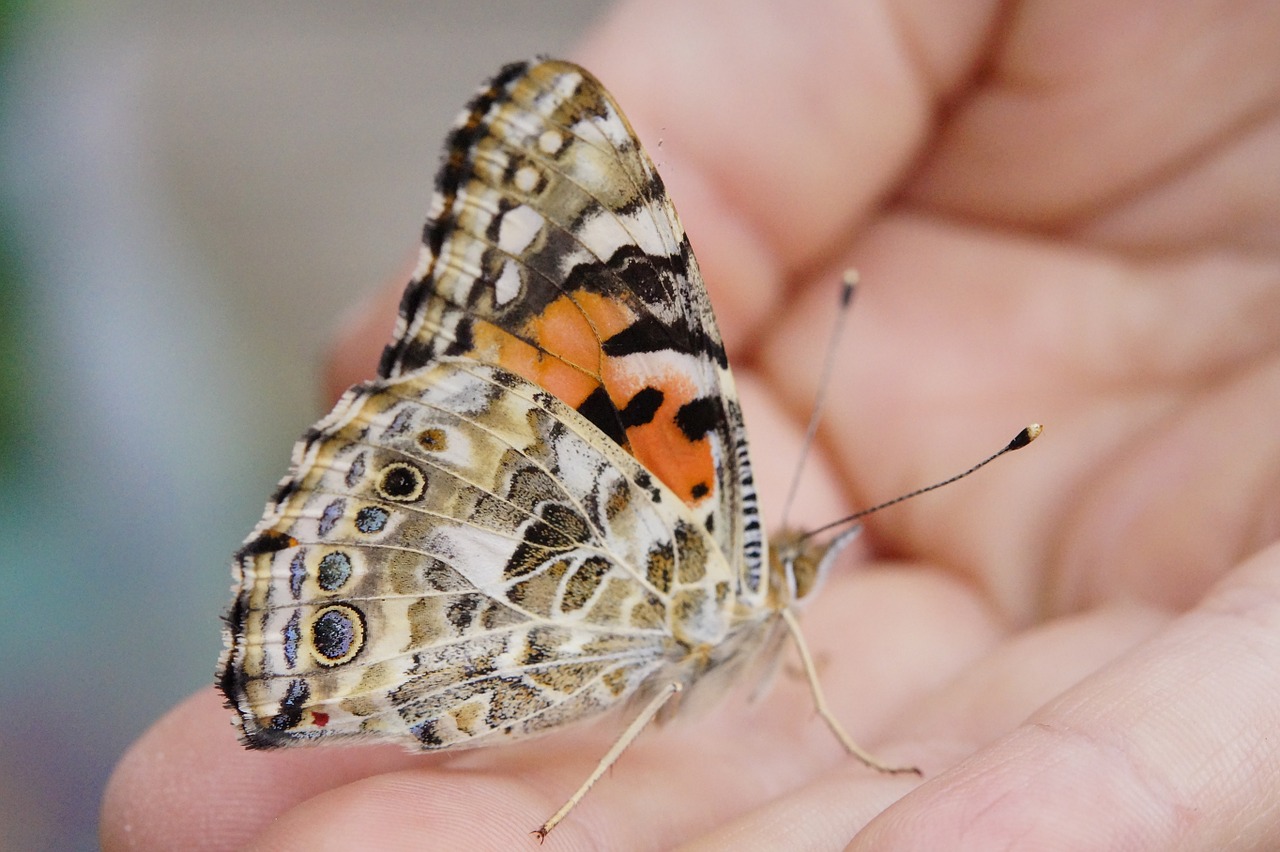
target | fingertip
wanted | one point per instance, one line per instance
(188, 783)
(163, 793)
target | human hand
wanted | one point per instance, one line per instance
(1065, 213)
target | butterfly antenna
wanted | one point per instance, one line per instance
(850, 283)
(1026, 436)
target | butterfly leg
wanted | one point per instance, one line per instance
(633, 730)
(820, 703)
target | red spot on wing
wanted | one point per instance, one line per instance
(320, 719)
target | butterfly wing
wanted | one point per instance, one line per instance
(456, 556)
(544, 506)
(552, 250)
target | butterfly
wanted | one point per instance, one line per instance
(543, 508)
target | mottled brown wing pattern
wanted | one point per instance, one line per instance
(456, 557)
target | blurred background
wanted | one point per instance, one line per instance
(191, 196)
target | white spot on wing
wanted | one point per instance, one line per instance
(607, 231)
(477, 555)
(550, 142)
(565, 85)
(605, 131)
(640, 366)
(519, 226)
(507, 287)
(526, 179)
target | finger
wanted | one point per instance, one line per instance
(960, 336)
(977, 699)
(880, 637)
(821, 815)
(215, 795)
(885, 639)
(1150, 115)
(188, 783)
(1172, 746)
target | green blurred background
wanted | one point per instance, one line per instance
(191, 195)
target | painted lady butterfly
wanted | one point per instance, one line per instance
(543, 508)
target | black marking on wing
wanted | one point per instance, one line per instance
(268, 542)
(699, 416)
(291, 707)
(648, 334)
(460, 143)
(601, 411)
(557, 529)
(642, 407)
(284, 491)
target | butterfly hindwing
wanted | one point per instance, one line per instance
(455, 557)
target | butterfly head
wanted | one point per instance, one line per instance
(798, 562)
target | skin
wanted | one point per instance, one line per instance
(1066, 213)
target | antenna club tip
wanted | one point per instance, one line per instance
(1026, 436)
(850, 282)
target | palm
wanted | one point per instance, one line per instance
(1080, 242)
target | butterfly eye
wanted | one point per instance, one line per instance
(805, 572)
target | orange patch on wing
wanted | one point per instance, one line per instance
(498, 346)
(567, 359)
(685, 466)
(569, 363)
(572, 327)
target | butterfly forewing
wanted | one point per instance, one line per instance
(552, 250)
